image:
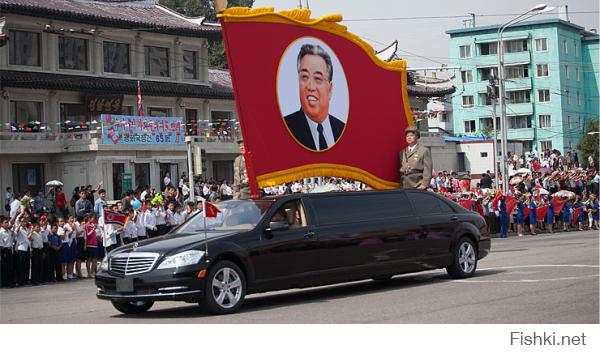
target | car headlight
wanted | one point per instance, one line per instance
(181, 259)
(104, 264)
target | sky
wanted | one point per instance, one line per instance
(423, 42)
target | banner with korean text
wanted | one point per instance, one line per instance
(313, 99)
(134, 130)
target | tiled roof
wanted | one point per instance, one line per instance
(47, 81)
(143, 15)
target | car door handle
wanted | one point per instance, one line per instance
(454, 218)
(309, 234)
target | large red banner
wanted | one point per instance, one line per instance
(313, 99)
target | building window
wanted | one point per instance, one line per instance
(488, 48)
(116, 58)
(543, 95)
(485, 99)
(467, 76)
(157, 61)
(486, 73)
(465, 51)
(545, 121)
(483, 154)
(516, 72)
(73, 53)
(542, 70)
(26, 116)
(580, 122)
(577, 74)
(521, 96)
(545, 145)
(73, 117)
(568, 94)
(565, 47)
(191, 122)
(485, 123)
(569, 122)
(567, 72)
(443, 117)
(541, 45)
(470, 126)
(190, 64)
(159, 112)
(578, 98)
(24, 48)
(515, 46)
(519, 122)
(467, 101)
(127, 110)
(575, 48)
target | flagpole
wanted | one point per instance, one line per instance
(205, 231)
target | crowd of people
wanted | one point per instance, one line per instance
(45, 239)
(546, 192)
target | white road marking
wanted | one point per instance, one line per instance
(534, 280)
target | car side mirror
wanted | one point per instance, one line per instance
(278, 226)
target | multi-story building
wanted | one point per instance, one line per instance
(551, 81)
(62, 55)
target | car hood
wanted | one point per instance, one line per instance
(170, 242)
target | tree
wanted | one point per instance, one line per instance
(206, 8)
(589, 143)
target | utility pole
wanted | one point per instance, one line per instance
(188, 143)
(472, 19)
(491, 91)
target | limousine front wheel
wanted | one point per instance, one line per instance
(465, 259)
(225, 288)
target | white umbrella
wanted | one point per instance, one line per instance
(523, 170)
(541, 191)
(54, 183)
(564, 194)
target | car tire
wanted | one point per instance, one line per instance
(225, 289)
(464, 259)
(132, 307)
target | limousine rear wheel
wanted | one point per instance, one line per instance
(225, 288)
(132, 307)
(465, 259)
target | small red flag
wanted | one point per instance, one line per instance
(210, 210)
(511, 203)
(114, 218)
(466, 203)
(576, 213)
(497, 199)
(527, 211)
(558, 205)
(541, 212)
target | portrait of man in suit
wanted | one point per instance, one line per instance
(312, 125)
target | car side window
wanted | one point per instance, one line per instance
(291, 212)
(425, 204)
(445, 207)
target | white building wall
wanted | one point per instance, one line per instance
(479, 156)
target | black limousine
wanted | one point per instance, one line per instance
(295, 241)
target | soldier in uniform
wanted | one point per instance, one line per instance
(241, 187)
(415, 162)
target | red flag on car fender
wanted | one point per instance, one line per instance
(210, 210)
(291, 73)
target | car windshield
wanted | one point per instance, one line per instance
(234, 215)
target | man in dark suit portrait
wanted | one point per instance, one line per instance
(312, 125)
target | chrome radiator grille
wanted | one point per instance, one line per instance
(132, 263)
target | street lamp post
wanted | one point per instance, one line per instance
(503, 124)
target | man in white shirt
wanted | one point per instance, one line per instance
(15, 206)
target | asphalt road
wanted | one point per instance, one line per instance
(531, 279)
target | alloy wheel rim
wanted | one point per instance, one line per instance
(227, 287)
(466, 257)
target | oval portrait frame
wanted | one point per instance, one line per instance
(340, 102)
